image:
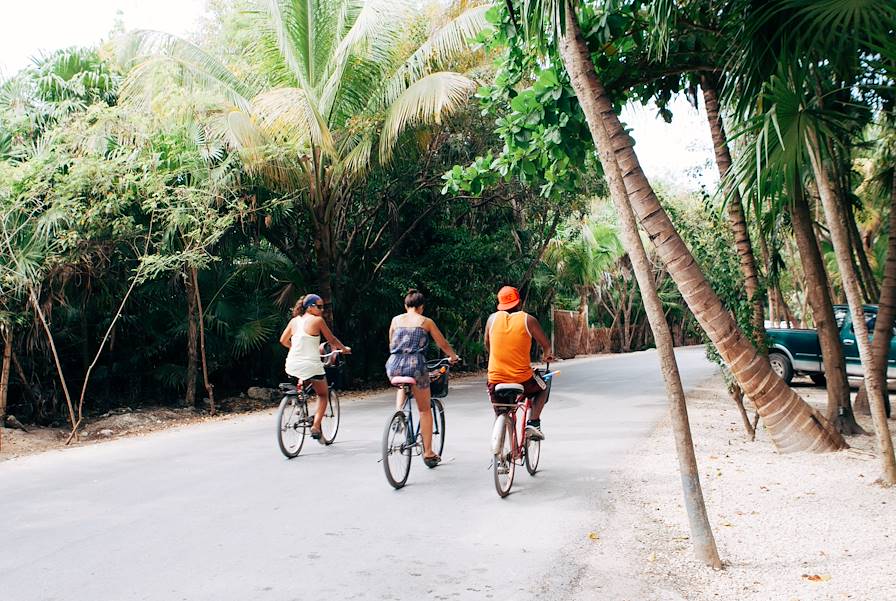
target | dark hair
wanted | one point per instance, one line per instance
(299, 308)
(414, 298)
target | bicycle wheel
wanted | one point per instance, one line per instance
(397, 450)
(533, 454)
(438, 426)
(503, 465)
(291, 424)
(330, 424)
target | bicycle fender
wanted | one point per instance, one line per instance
(498, 434)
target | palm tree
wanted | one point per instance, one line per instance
(782, 63)
(792, 423)
(701, 531)
(346, 80)
(736, 214)
(581, 260)
(883, 183)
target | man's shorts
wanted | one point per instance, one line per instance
(531, 387)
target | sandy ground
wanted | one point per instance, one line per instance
(789, 527)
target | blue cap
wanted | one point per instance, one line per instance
(311, 299)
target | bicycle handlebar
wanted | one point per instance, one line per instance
(331, 353)
(440, 362)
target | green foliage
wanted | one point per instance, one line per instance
(545, 136)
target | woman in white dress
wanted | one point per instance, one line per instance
(302, 338)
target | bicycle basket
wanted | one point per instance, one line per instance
(438, 384)
(334, 375)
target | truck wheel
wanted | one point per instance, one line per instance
(818, 379)
(781, 365)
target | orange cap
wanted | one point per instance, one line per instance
(508, 298)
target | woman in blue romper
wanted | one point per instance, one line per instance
(409, 335)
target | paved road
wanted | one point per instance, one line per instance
(215, 512)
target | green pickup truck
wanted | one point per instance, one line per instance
(794, 351)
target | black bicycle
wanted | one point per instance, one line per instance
(294, 418)
(401, 438)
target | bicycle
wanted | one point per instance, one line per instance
(294, 419)
(509, 429)
(401, 438)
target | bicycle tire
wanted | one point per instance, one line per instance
(291, 417)
(438, 426)
(330, 424)
(503, 465)
(533, 454)
(396, 450)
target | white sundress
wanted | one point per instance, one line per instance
(303, 360)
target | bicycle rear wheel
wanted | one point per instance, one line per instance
(397, 450)
(533, 454)
(291, 424)
(438, 426)
(503, 465)
(330, 424)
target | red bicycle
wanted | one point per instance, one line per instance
(510, 428)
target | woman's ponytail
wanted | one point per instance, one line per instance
(299, 308)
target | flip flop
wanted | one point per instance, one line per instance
(315, 434)
(433, 461)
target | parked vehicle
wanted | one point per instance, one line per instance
(797, 351)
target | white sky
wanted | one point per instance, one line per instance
(30, 26)
(27, 27)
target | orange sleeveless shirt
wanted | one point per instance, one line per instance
(510, 344)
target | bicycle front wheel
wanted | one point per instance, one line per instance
(291, 424)
(330, 423)
(503, 464)
(397, 448)
(533, 454)
(438, 426)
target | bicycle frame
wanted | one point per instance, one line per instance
(408, 408)
(511, 410)
(523, 404)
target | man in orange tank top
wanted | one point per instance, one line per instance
(508, 338)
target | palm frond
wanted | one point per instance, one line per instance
(293, 22)
(150, 50)
(425, 102)
(448, 41)
(288, 113)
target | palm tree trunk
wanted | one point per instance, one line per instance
(836, 219)
(192, 342)
(4, 370)
(701, 532)
(871, 288)
(323, 251)
(817, 291)
(209, 388)
(736, 215)
(773, 313)
(883, 327)
(791, 422)
(855, 261)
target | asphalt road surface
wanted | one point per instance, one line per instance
(214, 511)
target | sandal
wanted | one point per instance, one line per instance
(432, 461)
(315, 433)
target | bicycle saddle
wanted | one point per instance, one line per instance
(402, 380)
(514, 387)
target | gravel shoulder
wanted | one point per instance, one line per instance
(790, 527)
